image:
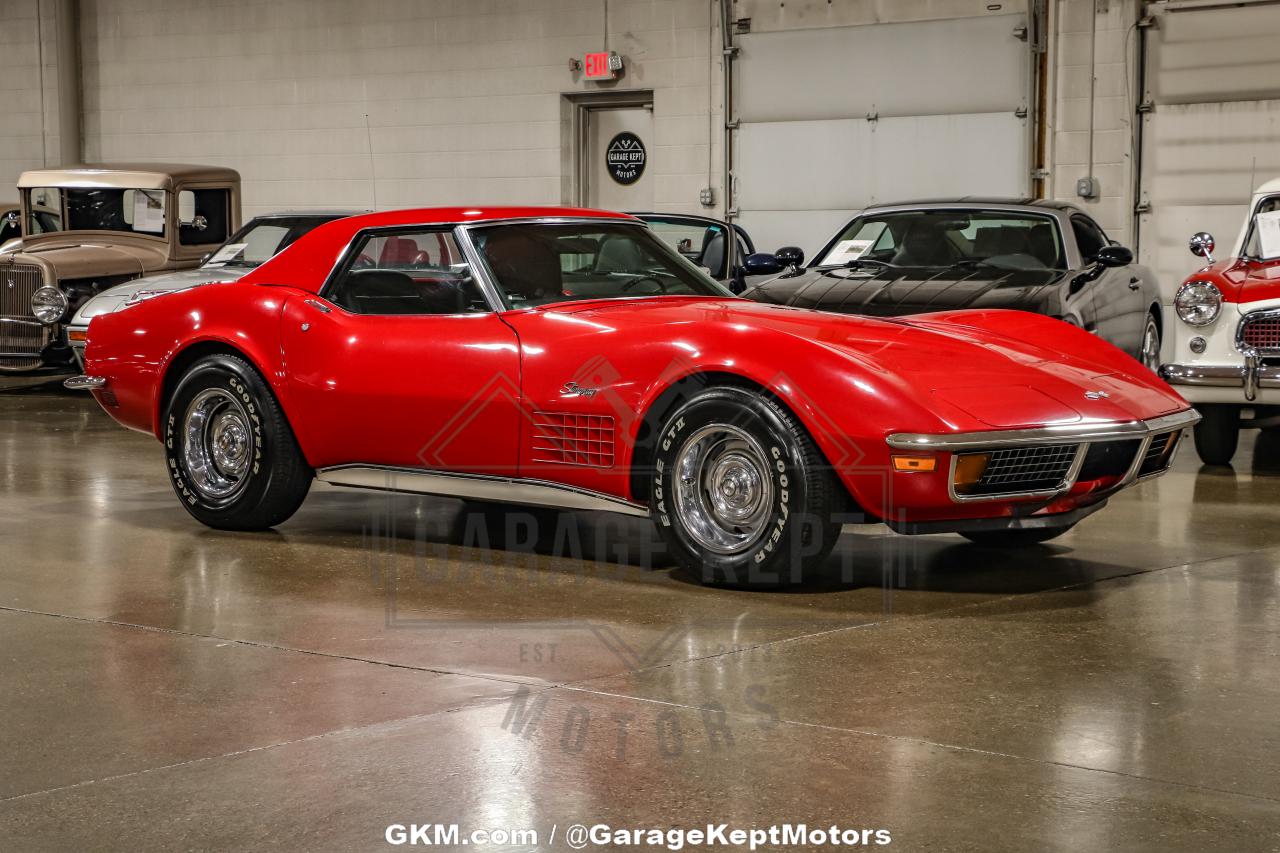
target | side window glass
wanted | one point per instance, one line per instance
(203, 217)
(701, 245)
(1089, 237)
(419, 272)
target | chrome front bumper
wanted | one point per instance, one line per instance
(1082, 435)
(1250, 376)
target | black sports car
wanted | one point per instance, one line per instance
(1049, 257)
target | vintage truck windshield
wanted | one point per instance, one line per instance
(133, 211)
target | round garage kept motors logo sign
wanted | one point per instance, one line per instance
(625, 158)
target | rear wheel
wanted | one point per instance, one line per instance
(741, 494)
(1015, 538)
(233, 460)
(1217, 434)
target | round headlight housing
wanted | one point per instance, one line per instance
(1198, 303)
(48, 304)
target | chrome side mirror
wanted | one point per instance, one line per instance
(1201, 245)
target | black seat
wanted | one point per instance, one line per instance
(713, 254)
(394, 292)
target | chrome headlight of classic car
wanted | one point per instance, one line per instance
(48, 304)
(1198, 303)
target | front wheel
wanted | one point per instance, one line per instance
(1150, 354)
(1217, 434)
(740, 493)
(232, 458)
(1015, 538)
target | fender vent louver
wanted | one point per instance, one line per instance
(572, 439)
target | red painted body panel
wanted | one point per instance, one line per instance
(1241, 279)
(469, 392)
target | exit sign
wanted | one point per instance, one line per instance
(601, 66)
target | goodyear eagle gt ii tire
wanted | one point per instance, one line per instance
(232, 458)
(740, 493)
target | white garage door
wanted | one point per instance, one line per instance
(837, 118)
(1213, 132)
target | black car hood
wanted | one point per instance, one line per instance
(894, 291)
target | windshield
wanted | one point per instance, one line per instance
(945, 238)
(263, 239)
(542, 263)
(133, 211)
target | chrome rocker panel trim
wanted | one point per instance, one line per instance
(85, 383)
(481, 487)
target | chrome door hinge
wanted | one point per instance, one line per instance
(1146, 107)
(742, 25)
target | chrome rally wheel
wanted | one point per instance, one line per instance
(233, 460)
(218, 444)
(723, 489)
(740, 493)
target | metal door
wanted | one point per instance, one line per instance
(619, 171)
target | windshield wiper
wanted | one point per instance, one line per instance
(858, 263)
(976, 263)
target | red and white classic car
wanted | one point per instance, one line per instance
(1226, 349)
(570, 358)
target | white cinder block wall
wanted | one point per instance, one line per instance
(1111, 56)
(463, 97)
(28, 90)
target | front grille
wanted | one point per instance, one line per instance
(1108, 459)
(22, 337)
(1024, 469)
(1159, 454)
(572, 439)
(1261, 333)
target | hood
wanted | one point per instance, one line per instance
(895, 291)
(118, 297)
(968, 371)
(1242, 280)
(73, 257)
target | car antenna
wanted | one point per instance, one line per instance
(373, 176)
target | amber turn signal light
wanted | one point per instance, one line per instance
(969, 469)
(78, 335)
(914, 463)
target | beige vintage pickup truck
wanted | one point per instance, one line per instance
(84, 229)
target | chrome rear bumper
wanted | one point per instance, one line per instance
(85, 383)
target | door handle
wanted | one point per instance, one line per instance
(1135, 284)
(318, 305)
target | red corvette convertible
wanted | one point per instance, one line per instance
(569, 358)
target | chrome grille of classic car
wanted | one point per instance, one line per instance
(1159, 453)
(1259, 332)
(1015, 470)
(22, 337)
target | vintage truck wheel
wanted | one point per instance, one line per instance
(1015, 538)
(1217, 434)
(232, 458)
(741, 494)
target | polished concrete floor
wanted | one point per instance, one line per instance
(165, 687)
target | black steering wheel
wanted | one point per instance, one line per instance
(636, 282)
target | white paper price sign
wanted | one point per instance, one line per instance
(148, 211)
(1268, 225)
(226, 253)
(847, 250)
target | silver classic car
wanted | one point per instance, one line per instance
(259, 241)
(84, 229)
